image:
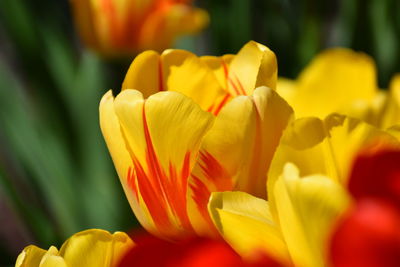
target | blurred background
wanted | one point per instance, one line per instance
(56, 177)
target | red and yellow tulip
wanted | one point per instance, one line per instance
(185, 126)
(117, 28)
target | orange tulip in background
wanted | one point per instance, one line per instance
(122, 28)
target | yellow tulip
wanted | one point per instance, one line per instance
(214, 127)
(341, 80)
(293, 227)
(295, 223)
(87, 248)
(117, 28)
(384, 109)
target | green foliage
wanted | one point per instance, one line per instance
(297, 30)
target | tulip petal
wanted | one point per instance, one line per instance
(82, 11)
(92, 247)
(95, 248)
(239, 146)
(162, 26)
(246, 224)
(179, 71)
(30, 257)
(185, 73)
(394, 131)
(111, 129)
(163, 135)
(325, 147)
(368, 236)
(376, 174)
(339, 74)
(307, 208)
(220, 67)
(391, 113)
(145, 74)
(286, 88)
(348, 136)
(254, 66)
(52, 259)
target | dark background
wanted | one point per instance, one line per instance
(56, 177)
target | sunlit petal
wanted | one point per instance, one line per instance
(246, 224)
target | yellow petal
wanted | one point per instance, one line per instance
(391, 112)
(394, 131)
(334, 80)
(30, 257)
(52, 259)
(237, 151)
(255, 65)
(185, 73)
(286, 88)
(175, 70)
(163, 135)
(370, 111)
(95, 248)
(347, 136)
(220, 66)
(307, 209)
(246, 224)
(271, 115)
(325, 147)
(144, 74)
(111, 129)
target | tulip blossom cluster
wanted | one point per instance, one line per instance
(231, 166)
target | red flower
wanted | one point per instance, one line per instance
(377, 175)
(199, 252)
(369, 236)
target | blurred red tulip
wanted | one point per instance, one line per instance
(369, 236)
(198, 252)
(377, 174)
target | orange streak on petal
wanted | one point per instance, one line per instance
(131, 180)
(226, 72)
(232, 83)
(201, 195)
(156, 205)
(178, 191)
(240, 85)
(164, 193)
(236, 84)
(221, 104)
(215, 172)
(217, 179)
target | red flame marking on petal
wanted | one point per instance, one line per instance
(217, 179)
(160, 191)
(222, 104)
